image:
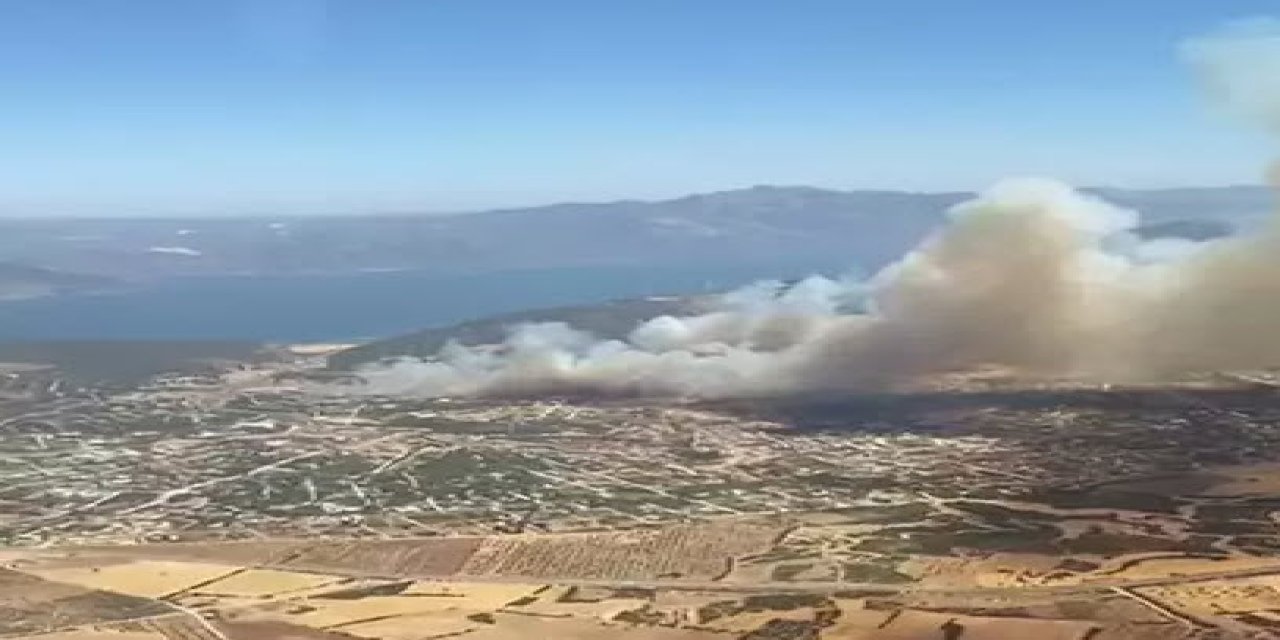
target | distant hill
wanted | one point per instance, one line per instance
(1198, 230)
(803, 226)
(609, 320)
(280, 279)
(19, 282)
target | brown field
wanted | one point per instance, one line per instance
(1218, 597)
(1246, 480)
(1136, 568)
(146, 579)
(408, 558)
(1138, 631)
(558, 602)
(693, 552)
(429, 625)
(273, 630)
(204, 603)
(516, 627)
(337, 614)
(236, 554)
(102, 633)
(923, 625)
(29, 604)
(421, 610)
(262, 583)
(474, 596)
(855, 621)
(179, 626)
(752, 620)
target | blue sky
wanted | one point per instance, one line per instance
(152, 107)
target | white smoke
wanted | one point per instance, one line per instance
(1239, 66)
(729, 351)
(1031, 276)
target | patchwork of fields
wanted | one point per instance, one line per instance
(680, 582)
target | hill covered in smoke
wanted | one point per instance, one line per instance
(1031, 276)
(615, 319)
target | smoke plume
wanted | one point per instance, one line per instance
(1031, 276)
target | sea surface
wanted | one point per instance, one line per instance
(343, 307)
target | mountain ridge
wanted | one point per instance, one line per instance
(818, 228)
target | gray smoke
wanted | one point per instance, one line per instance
(1031, 276)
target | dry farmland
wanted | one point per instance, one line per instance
(515, 627)
(920, 625)
(409, 558)
(262, 583)
(180, 626)
(148, 579)
(233, 554)
(102, 633)
(1241, 604)
(680, 552)
(29, 604)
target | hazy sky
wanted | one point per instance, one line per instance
(116, 107)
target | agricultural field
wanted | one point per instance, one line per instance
(233, 554)
(702, 552)
(409, 558)
(217, 602)
(1240, 604)
(30, 604)
(102, 633)
(148, 579)
(251, 583)
(917, 625)
(182, 626)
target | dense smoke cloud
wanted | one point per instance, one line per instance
(1031, 276)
